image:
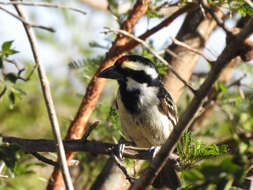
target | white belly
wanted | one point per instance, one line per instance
(148, 128)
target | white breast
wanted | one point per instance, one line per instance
(150, 127)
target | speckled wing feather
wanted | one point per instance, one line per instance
(167, 106)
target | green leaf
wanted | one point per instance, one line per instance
(6, 49)
(6, 45)
(8, 154)
(193, 175)
(10, 52)
(223, 87)
(191, 151)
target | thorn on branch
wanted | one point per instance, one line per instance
(123, 168)
(44, 159)
(89, 130)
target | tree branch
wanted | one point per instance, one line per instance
(48, 100)
(220, 23)
(230, 51)
(166, 22)
(27, 23)
(43, 4)
(182, 44)
(95, 147)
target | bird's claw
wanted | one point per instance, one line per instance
(155, 150)
(121, 148)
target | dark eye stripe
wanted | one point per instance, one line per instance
(141, 77)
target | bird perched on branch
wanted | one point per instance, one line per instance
(146, 110)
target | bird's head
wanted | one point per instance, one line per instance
(137, 68)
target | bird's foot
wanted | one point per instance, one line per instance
(155, 150)
(120, 151)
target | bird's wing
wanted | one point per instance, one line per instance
(167, 106)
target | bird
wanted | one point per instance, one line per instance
(146, 110)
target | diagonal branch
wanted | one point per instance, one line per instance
(25, 22)
(166, 22)
(186, 46)
(231, 50)
(48, 100)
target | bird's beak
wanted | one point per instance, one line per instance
(110, 73)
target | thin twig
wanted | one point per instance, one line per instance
(48, 101)
(217, 20)
(172, 53)
(20, 70)
(89, 129)
(44, 159)
(153, 52)
(238, 81)
(123, 169)
(179, 43)
(169, 52)
(25, 22)
(43, 4)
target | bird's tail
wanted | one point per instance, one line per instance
(167, 178)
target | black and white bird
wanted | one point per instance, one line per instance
(146, 110)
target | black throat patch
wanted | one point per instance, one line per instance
(130, 99)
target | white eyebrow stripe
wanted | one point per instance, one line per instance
(151, 71)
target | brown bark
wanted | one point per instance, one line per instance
(246, 54)
(194, 32)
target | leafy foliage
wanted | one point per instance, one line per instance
(213, 175)
(86, 68)
(192, 151)
(162, 68)
(237, 5)
(15, 160)
(7, 50)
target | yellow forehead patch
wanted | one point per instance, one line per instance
(130, 65)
